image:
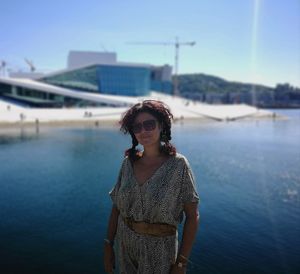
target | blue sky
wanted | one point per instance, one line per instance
(239, 40)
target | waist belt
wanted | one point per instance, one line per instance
(153, 229)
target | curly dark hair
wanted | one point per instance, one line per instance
(163, 115)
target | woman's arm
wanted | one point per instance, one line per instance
(189, 229)
(109, 256)
(188, 237)
(112, 224)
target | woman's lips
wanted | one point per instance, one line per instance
(145, 136)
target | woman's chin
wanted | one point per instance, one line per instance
(147, 142)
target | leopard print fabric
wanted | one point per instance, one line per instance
(159, 200)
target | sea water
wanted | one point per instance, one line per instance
(54, 202)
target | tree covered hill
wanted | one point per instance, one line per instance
(214, 89)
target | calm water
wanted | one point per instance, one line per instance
(54, 203)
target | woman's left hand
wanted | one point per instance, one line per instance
(177, 270)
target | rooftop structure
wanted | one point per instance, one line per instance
(85, 58)
(91, 72)
(100, 72)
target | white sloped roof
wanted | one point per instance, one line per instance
(43, 87)
(180, 107)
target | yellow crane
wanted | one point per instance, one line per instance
(177, 45)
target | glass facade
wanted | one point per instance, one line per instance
(28, 97)
(111, 79)
(85, 79)
(162, 86)
(126, 80)
(35, 98)
(121, 80)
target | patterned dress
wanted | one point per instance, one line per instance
(159, 200)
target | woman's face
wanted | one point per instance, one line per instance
(146, 129)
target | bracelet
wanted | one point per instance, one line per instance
(109, 242)
(181, 265)
(181, 261)
(183, 257)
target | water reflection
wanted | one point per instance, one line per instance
(10, 136)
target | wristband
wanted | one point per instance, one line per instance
(181, 265)
(183, 257)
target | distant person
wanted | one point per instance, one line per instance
(155, 187)
(22, 116)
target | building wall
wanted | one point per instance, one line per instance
(85, 79)
(116, 79)
(130, 81)
(161, 79)
(86, 58)
(106, 79)
(28, 97)
(162, 86)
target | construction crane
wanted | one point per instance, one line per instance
(177, 45)
(30, 64)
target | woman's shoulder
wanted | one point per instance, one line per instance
(125, 160)
(181, 158)
(178, 157)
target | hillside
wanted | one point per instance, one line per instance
(214, 89)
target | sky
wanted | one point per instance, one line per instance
(251, 41)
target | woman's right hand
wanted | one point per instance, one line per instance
(109, 258)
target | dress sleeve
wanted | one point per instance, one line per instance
(114, 192)
(188, 189)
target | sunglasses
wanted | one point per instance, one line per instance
(148, 125)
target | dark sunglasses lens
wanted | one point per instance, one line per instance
(149, 125)
(137, 128)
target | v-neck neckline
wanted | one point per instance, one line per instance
(153, 174)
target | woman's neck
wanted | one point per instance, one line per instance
(151, 152)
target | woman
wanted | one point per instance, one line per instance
(154, 188)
